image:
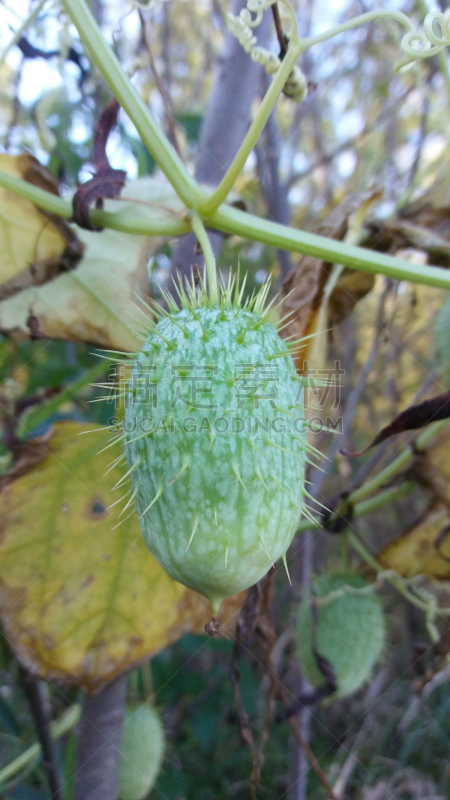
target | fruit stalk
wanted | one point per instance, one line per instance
(208, 254)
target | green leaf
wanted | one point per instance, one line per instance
(191, 123)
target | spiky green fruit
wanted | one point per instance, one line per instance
(216, 443)
(142, 752)
(350, 632)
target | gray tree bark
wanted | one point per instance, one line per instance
(99, 738)
(235, 85)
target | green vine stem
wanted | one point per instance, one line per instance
(296, 48)
(150, 132)
(440, 57)
(398, 463)
(208, 206)
(360, 498)
(397, 581)
(208, 254)
(371, 504)
(58, 728)
(116, 220)
(356, 22)
(421, 599)
(239, 223)
(383, 498)
(231, 220)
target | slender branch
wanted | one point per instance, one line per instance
(58, 728)
(394, 578)
(370, 504)
(150, 132)
(161, 88)
(383, 498)
(267, 154)
(98, 743)
(314, 764)
(45, 410)
(37, 695)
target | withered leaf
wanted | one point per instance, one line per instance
(422, 550)
(410, 419)
(303, 288)
(107, 182)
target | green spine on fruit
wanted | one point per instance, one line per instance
(350, 632)
(215, 439)
(142, 752)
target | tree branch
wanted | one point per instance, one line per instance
(99, 739)
(36, 691)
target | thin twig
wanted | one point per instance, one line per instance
(245, 624)
(161, 88)
(36, 692)
(314, 764)
(254, 619)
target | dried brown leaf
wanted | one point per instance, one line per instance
(303, 287)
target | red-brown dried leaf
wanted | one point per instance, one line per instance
(410, 419)
(107, 182)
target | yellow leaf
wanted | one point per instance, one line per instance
(93, 302)
(30, 238)
(423, 550)
(433, 468)
(82, 600)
